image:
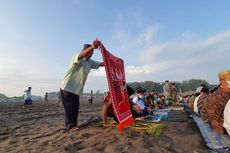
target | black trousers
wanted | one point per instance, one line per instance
(71, 108)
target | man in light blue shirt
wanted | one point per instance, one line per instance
(138, 101)
(73, 83)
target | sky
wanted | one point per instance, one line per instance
(158, 40)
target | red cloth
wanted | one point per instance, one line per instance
(115, 74)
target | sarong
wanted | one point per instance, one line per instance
(115, 75)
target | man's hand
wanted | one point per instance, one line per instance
(95, 44)
(137, 108)
(102, 64)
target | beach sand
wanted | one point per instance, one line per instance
(40, 129)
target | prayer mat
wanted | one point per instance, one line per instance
(176, 108)
(160, 114)
(154, 129)
(213, 140)
(162, 110)
(115, 74)
(148, 119)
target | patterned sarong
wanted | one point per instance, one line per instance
(115, 74)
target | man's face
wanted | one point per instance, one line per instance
(225, 82)
(89, 55)
(140, 95)
(228, 84)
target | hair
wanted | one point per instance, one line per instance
(86, 46)
(148, 97)
(167, 81)
(203, 85)
(130, 90)
(205, 90)
(138, 88)
(139, 91)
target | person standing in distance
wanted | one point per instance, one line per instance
(28, 96)
(45, 99)
(73, 83)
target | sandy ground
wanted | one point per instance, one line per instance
(40, 129)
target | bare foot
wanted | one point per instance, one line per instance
(106, 125)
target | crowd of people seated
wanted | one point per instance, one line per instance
(214, 107)
(142, 103)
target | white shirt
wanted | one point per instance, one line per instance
(27, 95)
(226, 124)
(195, 104)
(139, 102)
(77, 73)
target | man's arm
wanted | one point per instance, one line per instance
(102, 64)
(95, 45)
(137, 108)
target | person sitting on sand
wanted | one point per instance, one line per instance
(226, 124)
(138, 100)
(28, 96)
(212, 111)
(198, 103)
(191, 100)
(144, 94)
(149, 102)
(204, 93)
(161, 102)
(156, 99)
(107, 109)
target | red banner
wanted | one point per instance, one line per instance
(115, 74)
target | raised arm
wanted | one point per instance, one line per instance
(88, 50)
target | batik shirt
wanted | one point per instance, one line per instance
(204, 110)
(212, 110)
